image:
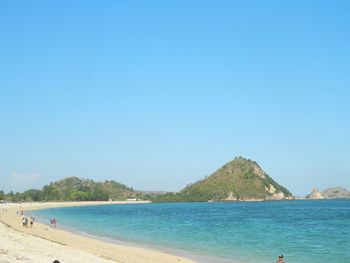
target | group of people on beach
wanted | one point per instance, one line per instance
(26, 221)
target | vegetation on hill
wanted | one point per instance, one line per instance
(240, 179)
(76, 189)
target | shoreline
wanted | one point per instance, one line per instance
(65, 240)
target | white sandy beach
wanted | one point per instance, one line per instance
(44, 244)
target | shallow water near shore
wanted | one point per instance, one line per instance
(304, 231)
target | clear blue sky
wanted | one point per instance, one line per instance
(158, 94)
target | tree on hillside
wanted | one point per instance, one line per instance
(79, 196)
(31, 195)
(49, 193)
(98, 194)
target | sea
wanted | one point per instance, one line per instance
(315, 231)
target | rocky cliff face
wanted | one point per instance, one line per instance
(315, 194)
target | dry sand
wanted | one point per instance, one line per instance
(45, 244)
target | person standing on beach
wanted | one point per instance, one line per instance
(25, 221)
(53, 222)
(31, 221)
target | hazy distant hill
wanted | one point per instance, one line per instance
(240, 179)
(336, 192)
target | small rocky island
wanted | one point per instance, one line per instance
(329, 193)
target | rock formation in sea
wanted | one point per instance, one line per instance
(329, 193)
(315, 194)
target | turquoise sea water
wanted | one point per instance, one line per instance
(304, 231)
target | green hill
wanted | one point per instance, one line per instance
(238, 180)
(76, 189)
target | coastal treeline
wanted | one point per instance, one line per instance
(74, 189)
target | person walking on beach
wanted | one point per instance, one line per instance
(25, 221)
(54, 221)
(280, 259)
(31, 221)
